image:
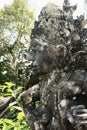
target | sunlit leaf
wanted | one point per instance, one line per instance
(9, 84)
(9, 122)
(6, 94)
(12, 104)
(18, 108)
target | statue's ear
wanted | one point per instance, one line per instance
(61, 50)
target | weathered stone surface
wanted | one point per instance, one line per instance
(58, 55)
(4, 106)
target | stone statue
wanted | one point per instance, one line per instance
(56, 98)
(58, 56)
(69, 9)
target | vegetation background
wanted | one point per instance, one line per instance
(16, 23)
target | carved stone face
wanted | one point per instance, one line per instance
(41, 57)
(44, 57)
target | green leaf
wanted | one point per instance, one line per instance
(18, 108)
(9, 84)
(6, 94)
(12, 104)
(1, 121)
(37, 104)
(8, 121)
(18, 89)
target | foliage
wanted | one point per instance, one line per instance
(8, 89)
(6, 72)
(16, 22)
(17, 119)
(8, 124)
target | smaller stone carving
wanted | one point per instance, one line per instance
(69, 10)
